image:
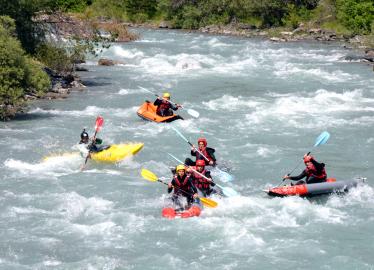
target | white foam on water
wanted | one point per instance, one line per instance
(52, 167)
(88, 111)
(72, 205)
(231, 103)
(124, 92)
(285, 70)
(362, 195)
(162, 64)
(104, 228)
(52, 262)
(125, 53)
(322, 107)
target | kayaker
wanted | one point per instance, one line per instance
(203, 184)
(182, 185)
(93, 146)
(206, 151)
(164, 106)
(314, 172)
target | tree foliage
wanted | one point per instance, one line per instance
(356, 15)
(19, 74)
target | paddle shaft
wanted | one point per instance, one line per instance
(185, 192)
(99, 123)
(202, 175)
(298, 164)
(160, 97)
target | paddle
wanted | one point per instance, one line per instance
(226, 177)
(150, 176)
(98, 125)
(227, 191)
(191, 112)
(321, 139)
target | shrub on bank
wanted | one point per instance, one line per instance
(19, 74)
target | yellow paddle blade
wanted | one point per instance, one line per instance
(148, 175)
(208, 202)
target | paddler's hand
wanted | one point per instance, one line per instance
(178, 105)
(211, 162)
(170, 185)
(195, 195)
(286, 177)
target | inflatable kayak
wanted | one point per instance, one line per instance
(193, 211)
(148, 112)
(113, 153)
(308, 190)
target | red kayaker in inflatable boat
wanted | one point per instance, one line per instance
(314, 172)
(182, 185)
(203, 149)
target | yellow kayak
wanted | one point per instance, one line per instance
(117, 152)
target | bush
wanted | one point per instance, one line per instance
(356, 15)
(55, 58)
(19, 74)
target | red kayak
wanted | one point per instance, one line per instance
(193, 211)
(308, 190)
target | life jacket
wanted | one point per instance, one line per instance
(163, 108)
(199, 181)
(313, 172)
(205, 153)
(182, 185)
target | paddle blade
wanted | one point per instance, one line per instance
(148, 175)
(99, 123)
(193, 113)
(322, 139)
(229, 192)
(208, 202)
(221, 175)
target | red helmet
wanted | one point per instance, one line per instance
(200, 162)
(203, 140)
(307, 159)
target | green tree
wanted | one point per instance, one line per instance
(19, 74)
(356, 15)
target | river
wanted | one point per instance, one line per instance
(261, 106)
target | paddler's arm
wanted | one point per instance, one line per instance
(295, 178)
(174, 107)
(211, 151)
(157, 102)
(207, 174)
(170, 186)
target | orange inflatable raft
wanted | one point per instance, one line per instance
(148, 112)
(171, 213)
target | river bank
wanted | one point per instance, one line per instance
(301, 34)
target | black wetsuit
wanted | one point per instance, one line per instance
(311, 179)
(168, 109)
(182, 189)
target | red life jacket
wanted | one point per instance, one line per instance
(205, 153)
(185, 186)
(313, 172)
(163, 108)
(199, 181)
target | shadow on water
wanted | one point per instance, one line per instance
(102, 81)
(32, 116)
